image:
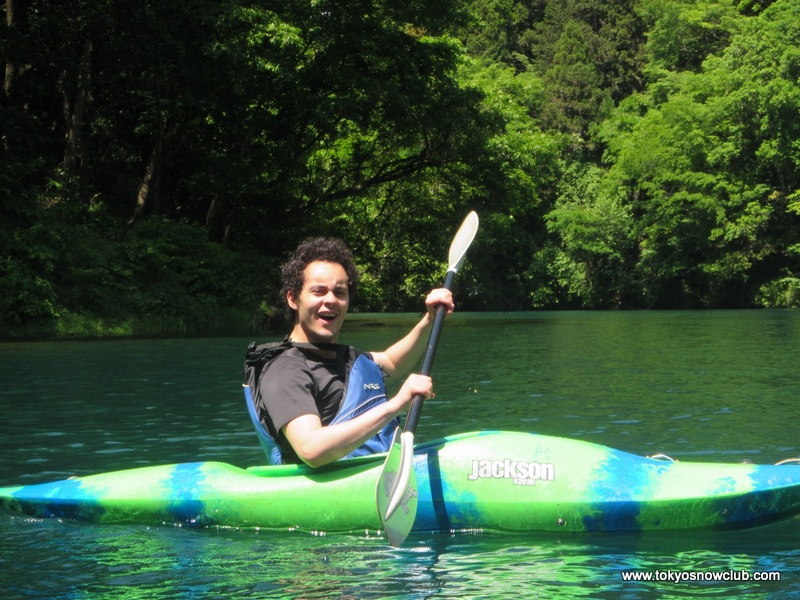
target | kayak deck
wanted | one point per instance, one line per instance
(515, 482)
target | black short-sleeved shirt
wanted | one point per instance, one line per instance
(300, 382)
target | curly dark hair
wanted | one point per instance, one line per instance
(324, 249)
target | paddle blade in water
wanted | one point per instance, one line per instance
(396, 493)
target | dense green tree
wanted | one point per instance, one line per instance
(158, 159)
(516, 185)
(682, 33)
(263, 123)
(709, 161)
(339, 103)
(593, 260)
(590, 53)
(496, 29)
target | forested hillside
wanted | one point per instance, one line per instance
(158, 159)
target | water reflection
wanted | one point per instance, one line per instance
(136, 562)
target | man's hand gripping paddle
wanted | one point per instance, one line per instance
(397, 485)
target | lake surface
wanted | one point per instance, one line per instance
(698, 386)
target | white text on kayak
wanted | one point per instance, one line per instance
(523, 473)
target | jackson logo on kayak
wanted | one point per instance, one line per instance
(523, 473)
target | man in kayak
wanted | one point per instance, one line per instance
(321, 401)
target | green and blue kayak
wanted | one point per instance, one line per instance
(491, 481)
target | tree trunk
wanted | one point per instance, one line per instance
(8, 80)
(216, 219)
(75, 110)
(147, 196)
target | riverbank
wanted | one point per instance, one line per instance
(225, 321)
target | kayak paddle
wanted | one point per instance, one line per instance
(397, 484)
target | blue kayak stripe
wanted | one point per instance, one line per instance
(437, 492)
(608, 513)
(66, 499)
(767, 500)
(184, 486)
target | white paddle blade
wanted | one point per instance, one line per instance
(396, 493)
(389, 474)
(462, 240)
(400, 489)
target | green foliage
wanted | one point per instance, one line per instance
(496, 29)
(27, 256)
(709, 159)
(186, 275)
(683, 33)
(26, 293)
(161, 277)
(780, 293)
(596, 231)
(641, 153)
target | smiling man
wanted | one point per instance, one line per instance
(320, 400)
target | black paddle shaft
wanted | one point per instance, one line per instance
(430, 352)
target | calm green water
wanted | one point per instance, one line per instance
(711, 386)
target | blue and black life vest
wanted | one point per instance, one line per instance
(364, 389)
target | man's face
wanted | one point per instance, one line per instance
(322, 303)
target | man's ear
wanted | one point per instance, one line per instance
(290, 300)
